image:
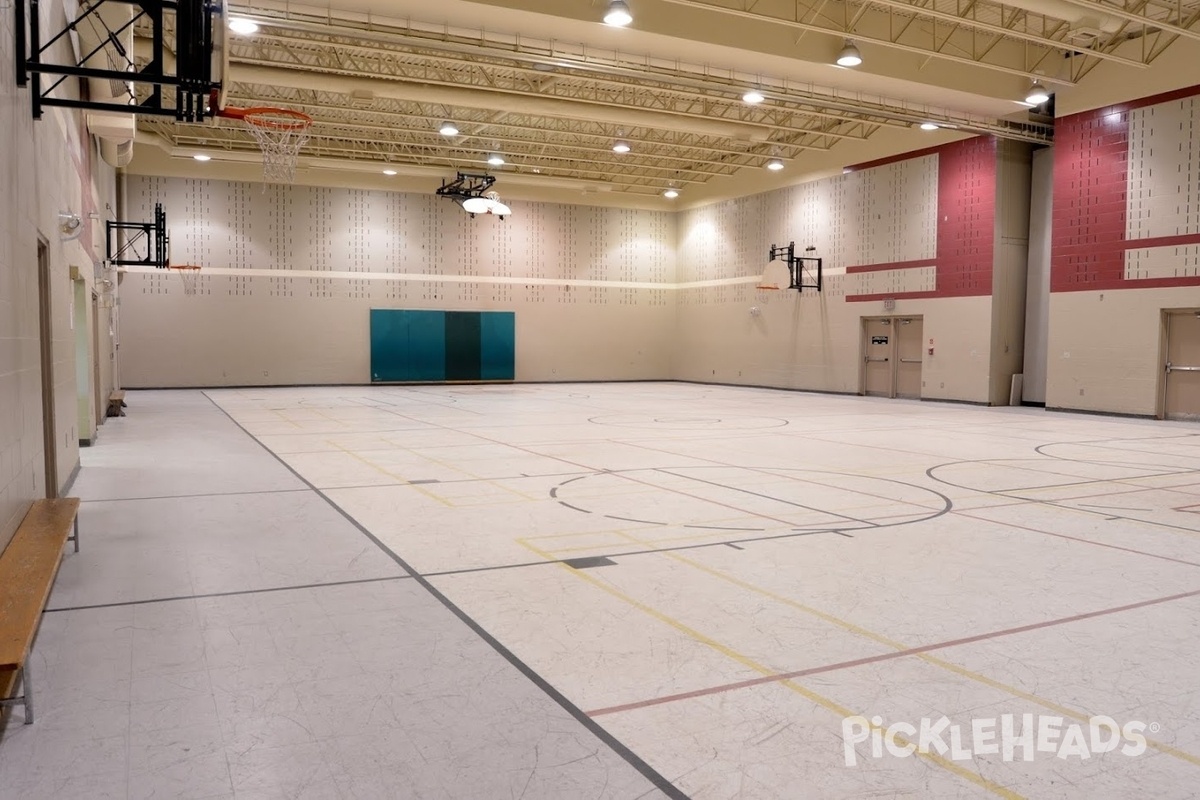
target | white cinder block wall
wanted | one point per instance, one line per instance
(290, 274)
(46, 167)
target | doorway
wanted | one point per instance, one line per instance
(46, 340)
(83, 361)
(97, 395)
(1181, 382)
(892, 356)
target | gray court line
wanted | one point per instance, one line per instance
(183, 496)
(648, 772)
(228, 594)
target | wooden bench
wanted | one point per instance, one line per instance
(116, 403)
(27, 570)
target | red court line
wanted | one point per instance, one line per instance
(1079, 539)
(912, 651)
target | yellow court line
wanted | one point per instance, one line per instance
(283, 417)
(403, 481)
(820, 700)
(938, 662)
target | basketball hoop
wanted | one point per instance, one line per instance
(280, 132)
(764, 292)
(189, 274)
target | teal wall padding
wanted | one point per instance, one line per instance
(408, 345)
(498, 343)
(437, 346)
(462, 345)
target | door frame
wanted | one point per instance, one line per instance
(46, 354)
(894, 321)
(862, 355)
(1164, 351)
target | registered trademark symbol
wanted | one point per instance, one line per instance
(1155, 727)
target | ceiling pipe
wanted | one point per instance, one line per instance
(497, 101)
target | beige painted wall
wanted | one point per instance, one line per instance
(290, 275)
(45, 169)
(1105, 348)
(1010, 266)
(728, 332)
(810, 342)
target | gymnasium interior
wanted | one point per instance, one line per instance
(563, 399)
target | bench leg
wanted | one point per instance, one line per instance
(27, 691)
(75, 537)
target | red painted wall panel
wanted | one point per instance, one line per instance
(966, 223)
(1091, 180)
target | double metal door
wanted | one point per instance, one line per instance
(892, 356)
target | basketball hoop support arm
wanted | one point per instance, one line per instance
(192, 79)
(804, 272)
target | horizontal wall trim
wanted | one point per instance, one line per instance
(325, 274)
(1160, 241)
(870, 298)
(924, 262)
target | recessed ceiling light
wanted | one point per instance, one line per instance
(496, 160)
(448, 128)
(671, 193)
(389, 172)
(849, 57)
(618, 14)
(1037, 94)
(621, 147)
(202, 157)
(775, 165)
(929, 126)
(753, 97)
(244, 26)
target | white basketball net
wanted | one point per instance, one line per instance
(190, 276)
(280, 134)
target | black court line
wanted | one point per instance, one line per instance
(185, 496)
(631, 758)
(770, 497)
(229, 594)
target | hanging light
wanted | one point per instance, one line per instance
(850, 56)
(1037, 94)
(448, 128)
(476, 205)
(202, 157)
(496, 160)
(243, 26)
(671, 193)
(621, 146)
(389, 172)
(929, 126)
(753, 97)
(775, 165)
(618, 14)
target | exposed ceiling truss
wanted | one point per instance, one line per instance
(1058, 39)
(379, 89)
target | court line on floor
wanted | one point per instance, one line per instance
(619, 748)
(921, 652)
(818, 699)
(1075, 538)
(237, 593)
(185, 496)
